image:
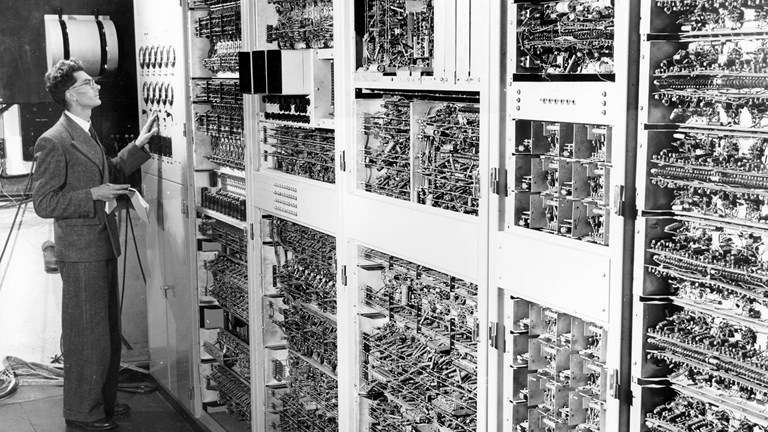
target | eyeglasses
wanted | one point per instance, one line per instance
(88, 82)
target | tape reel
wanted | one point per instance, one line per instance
(92, 40)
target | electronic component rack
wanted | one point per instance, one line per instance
(699, 328)
(560, 178)
(420, 44)
(220, 191)
(299, 322)
(224, 298)
(418, 333)
(287, 77)
(290, 86)
(558, 375)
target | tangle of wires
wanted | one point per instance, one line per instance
(306, 263)
(386, 154)
(10, 199)
(566, 37)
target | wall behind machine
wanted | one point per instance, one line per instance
(23, 65)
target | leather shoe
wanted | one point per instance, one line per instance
(121, 409)
(97, 425)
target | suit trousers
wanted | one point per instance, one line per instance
(90, 338)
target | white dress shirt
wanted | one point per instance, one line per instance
(86, 125)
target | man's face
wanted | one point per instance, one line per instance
(85, 91)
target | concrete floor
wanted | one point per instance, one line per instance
(38, 409)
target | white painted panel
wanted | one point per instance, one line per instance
(321, 87)
(441, 24)
(463, 39)
(478, 62)
(557, 272)
(170, 169)
(449, 36)
(442, 240)
(296, 68)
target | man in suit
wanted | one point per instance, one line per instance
(74, 179)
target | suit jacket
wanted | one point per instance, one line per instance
(69, 164)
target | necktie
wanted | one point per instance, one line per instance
(93, 135)
(101, 149)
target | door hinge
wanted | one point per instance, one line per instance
(496, 336)
(509, 186)
(191, 392)
(343, 161)
(251, 231)
(344, 275)
(496, 182)
(185, 209)
(184, 130)
(613, 383)
(618, 200)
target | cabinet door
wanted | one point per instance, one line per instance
(559, 248)
(180, 310)
(156, 307)
(161, 81)
(170, 308)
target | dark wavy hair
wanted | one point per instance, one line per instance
(60, 78)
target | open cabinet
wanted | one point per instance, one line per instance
(699, 326)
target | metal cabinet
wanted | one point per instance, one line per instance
(170, 305)
(186, 69)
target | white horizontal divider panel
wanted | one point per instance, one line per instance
(441, 240)
(577, 283)
(583, 103)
